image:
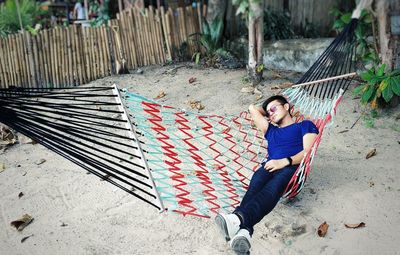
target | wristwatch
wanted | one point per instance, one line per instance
(290, 161)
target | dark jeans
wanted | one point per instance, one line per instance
(264, 192)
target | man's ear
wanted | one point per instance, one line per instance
(287, 106)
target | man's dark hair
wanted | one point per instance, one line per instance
(279, 98)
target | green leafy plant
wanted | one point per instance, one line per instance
(277, 25)
(31, 14)
(378, 87)
(209, 43)
(365, 50)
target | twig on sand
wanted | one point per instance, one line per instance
(173, 70)
(356, 122)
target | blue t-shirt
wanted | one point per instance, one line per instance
(287, 141)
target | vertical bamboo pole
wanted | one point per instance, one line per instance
(62, 50)
(70, 72)
(15, 60)
(138, 37)
(78, 50)
(56, 57)
(200, 16)
(86, 43)
(3, 63)
(122, 36)
(46, 54)
(93, 52)
(11, 57)
(106, 51)
(148, 37)
(3, 83)
(18, 60)
(52, 64)
(132, 39)
(160, 43)
(39, 58)
(174, 29)
(31, 60)
(100, 58)
(165, 34)
(9, 61)
(150, 19)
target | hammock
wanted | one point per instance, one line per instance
(174, 160)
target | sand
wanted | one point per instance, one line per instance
(76, 213)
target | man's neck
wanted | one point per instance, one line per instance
(286, 121)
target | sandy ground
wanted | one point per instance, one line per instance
(75, 213)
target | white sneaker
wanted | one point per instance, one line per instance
(240, 243)
(229, 224)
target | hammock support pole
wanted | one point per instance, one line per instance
(326, 79)
(132, 134)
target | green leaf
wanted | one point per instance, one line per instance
(367, 94)
(381, 70)
(338, 24)
(387, 93)
(367, 76)
(346, 18)
(396, 85)
(242, 7)
(357, 90)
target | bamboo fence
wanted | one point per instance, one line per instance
(75, 55)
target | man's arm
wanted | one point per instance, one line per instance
(258, 116)
(277, 164)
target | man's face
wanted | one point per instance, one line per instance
(276, 111)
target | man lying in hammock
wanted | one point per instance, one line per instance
(288, 142)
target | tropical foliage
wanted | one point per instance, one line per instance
(365, 48)
(30, 11)
(378, 85)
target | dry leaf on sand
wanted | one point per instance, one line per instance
(357, 225)
(323, 229)
(371, 154)
(226, 130)
(196, 105)
(21, 223)
(249, 89)
(192, 79)
(2, 167)
(160, 95)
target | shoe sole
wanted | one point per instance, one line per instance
(241, 245)
(221, 223)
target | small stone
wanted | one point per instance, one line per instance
(40, 161)
(139, 71)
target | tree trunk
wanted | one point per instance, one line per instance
(216, 9)
(389, 44)
(256, 40)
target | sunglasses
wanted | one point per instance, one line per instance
(271, 110)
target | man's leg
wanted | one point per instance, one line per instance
(257, 182)
(265, 199)
(229, 224)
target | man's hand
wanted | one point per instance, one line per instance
(276, 164)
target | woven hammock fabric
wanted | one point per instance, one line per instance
(202, 164)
